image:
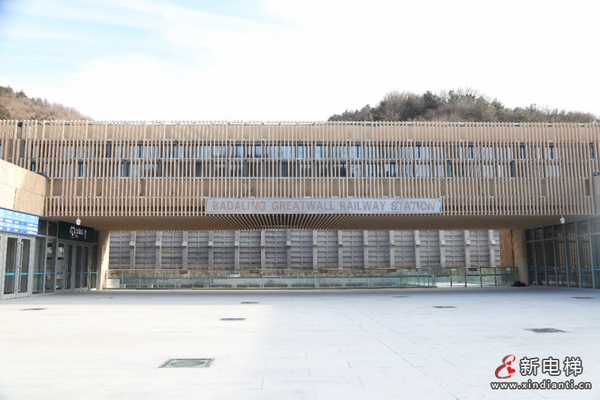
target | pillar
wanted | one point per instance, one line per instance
(340, 250)
(184, 251)
(392, 250)
(158, 245)
(103, 257)
(132, 237)
(417, 250)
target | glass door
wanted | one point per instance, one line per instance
(85, 268)
(64, 267)
(10, 267)
(78, 267)
(81, 267)
(68, 268)
(17, 282)
(60, 266)
(24, 283)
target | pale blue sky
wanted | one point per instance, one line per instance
(292, 59)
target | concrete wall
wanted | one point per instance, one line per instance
(22, 190)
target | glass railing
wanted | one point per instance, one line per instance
(323, 278)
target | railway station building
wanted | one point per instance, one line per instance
(94, 205)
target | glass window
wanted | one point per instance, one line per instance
(586, 279)
(548, 232)
(539, 254)
(596, 251)
(595, 225)
(584, 252)
(42, 226)
(52, 229)
(559, 230)
(570, 228)
(561, 260)
(583, 227)
(529, 234)
(549, 253)
(94, 267)
(530, 255)
(572, 256)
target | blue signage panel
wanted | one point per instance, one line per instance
(18, 222)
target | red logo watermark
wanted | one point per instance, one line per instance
(506, 364)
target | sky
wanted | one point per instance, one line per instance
(294, 60)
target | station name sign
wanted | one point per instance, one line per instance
(323, 206)
(75, 232)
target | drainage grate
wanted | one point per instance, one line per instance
(105, 298)
(399, 297)
(249, 302)
(544, 330)
(583, 298)
(188, 363)
(33, 309)
(444, 307)
(233, 319)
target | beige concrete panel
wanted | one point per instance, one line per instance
(22, 190)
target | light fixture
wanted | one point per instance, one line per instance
(562, 219)
(78, 221)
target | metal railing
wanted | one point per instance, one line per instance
(346, 278)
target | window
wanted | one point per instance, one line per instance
(124, 173)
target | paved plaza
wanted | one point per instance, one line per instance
(296, 344)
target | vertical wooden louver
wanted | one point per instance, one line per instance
(134, 169)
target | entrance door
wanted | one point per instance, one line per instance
(17, 282)
(64, 267)
(81, 267)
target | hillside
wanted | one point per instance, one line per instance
(16, 105)
(456, 105)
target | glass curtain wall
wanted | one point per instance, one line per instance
(565, 255)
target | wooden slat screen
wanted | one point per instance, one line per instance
(135, 171)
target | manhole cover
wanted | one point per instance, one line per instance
(33, 309)
(583, 298)
(444, 307)
(399, 297)
(544, 330)
(249, 302)
(188, 363)
(105, 298)
(233, 319)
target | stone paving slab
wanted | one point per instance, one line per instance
(296, 344)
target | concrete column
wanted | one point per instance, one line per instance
(340, 250)
(315, 241)
(366, 249)
(392, 250)
(442, 250)
(236, 250)
(491, 248)
(288, 244)
(132, 237)
(184, 251)
(262, 250)
(103, 257)
(417, 250)
(211, 244)
(518, 238)
(467, 249)
(158, 245)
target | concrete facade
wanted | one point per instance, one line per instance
(22, 190)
